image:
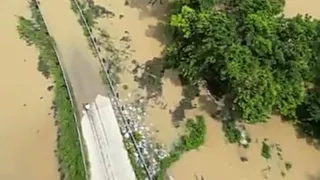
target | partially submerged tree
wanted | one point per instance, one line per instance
(263, 59)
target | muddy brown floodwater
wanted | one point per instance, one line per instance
(144, 25)
(27, 131)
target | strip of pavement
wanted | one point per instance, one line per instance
(82, 68)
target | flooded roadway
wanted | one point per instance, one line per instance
(81, 66)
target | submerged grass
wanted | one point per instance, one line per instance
(90, 13)
(34, 32)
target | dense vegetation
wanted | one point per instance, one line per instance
(265, 63)
(193, 139)
(34, 32)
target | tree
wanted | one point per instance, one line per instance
(262, 58)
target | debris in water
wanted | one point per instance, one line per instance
(49, 88)
(86, 106)
(126, 2)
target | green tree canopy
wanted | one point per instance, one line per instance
(262, 58)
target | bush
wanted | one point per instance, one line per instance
(87, 13)
(194, 138)
(265, 151)
(68, 146)
(195, 134)
(43, 68)
(231, 132)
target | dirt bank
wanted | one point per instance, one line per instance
(27, 131)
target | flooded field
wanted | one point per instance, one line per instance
(27, 131)
(137, 31)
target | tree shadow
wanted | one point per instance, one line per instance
(178, 115)
(151, 78)
(216, 87)
(189, 92)
(158, 11)
(208, 104)
(306, 129)
(158, 32)
(301, 134)
(173, 76)
(148, 9)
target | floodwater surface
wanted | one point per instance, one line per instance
(75, 54)
(27, 131)
(144, 24)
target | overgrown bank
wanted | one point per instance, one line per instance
(34, 32)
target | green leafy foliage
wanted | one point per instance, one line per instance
(263, 59)
(266, 150)
(89, 15)
(231, 132)
(194, 138)
(139, 172)
(195, 135)
(68, 146)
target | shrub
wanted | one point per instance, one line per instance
(231, 132)
(194, 138)
(265, 151)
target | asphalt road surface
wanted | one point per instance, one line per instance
(81, 66)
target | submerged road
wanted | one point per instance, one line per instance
(107, 155)
(81, 66)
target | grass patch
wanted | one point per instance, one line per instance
(104, 77)
(88, 16)
(194, 138)
(90, 13)
(138, 170)
(68, 146)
